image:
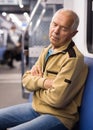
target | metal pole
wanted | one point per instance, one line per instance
(33, 12)
(23, 36)
(39, 20)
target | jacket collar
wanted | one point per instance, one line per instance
(63, 49)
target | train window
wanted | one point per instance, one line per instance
(90, 26)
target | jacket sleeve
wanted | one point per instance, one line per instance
(33, 83)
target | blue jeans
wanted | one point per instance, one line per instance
(24, 117)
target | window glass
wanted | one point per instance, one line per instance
(90, 26)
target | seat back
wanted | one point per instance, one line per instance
(86, 111)
(2, 50)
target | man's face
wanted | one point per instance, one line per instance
(60, 30)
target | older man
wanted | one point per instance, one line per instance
(57, 81)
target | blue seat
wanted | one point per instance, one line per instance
(86, 111)
(2, 50)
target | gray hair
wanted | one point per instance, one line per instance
(76, 21)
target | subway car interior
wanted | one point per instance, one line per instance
(31, 19)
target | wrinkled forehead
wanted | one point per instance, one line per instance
(63, 18)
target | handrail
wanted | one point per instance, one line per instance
(33, 13)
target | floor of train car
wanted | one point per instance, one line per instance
(10, 85)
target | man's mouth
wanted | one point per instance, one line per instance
(55, 38)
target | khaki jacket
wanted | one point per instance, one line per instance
(66, 66)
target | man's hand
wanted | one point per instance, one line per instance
(48, 83)
(36, 71)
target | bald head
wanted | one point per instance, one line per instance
(73, 17)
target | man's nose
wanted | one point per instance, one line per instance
(57, 29)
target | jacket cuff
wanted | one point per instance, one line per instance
(40, 82)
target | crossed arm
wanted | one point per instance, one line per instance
(36, 71)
